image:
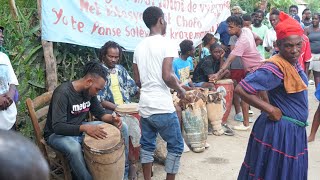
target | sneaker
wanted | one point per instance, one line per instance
(241, 127)
(251, 120)
(238, 117)
(227, 130)
(311, 82)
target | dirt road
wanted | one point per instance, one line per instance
(223, 159)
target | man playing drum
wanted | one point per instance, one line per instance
(69, 107)
(152, 67)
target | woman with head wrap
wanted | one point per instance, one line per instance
(277, 147)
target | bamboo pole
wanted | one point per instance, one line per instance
(49, 58)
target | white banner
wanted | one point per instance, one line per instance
(94, 22)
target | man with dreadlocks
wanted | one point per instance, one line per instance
(69, 107)
(120, 87)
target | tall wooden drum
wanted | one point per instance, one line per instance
(128, 109)
(105, 158)
(226, 84)
(129, 114)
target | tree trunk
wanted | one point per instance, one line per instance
(49, 58)
(51, 65)
(13, 9)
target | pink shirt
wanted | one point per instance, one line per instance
(246, 48)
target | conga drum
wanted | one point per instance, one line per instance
(130, 115)
(105, 158)
(226, 86)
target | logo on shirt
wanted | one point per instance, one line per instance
(80, 108)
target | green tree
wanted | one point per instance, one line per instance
(313, 5)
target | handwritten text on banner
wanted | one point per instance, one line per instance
(93, 22)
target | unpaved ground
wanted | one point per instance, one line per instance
(223, 159)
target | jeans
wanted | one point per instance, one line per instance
(167, 125)
(71, 148)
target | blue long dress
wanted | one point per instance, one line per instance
(277, 150)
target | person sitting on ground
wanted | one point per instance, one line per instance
(181, 66)
(120, 87)
(207, 40)
(20, 158)
(8, 82)
(68, 110)
(209, 66)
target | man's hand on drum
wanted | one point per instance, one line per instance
(213, 77)
(181, 93)
(117, 121)
(94, 131)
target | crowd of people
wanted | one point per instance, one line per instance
(269, 67)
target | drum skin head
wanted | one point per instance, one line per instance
(224, 81)
(127, 108)
(100, 145)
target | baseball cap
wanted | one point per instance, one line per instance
(237, 10)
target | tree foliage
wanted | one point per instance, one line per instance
(314, 6)
(251, 5)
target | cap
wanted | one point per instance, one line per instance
(237, 10)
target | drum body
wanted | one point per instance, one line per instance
(215, 112)
(228, 85)
(105, 158)
(129, 113)
(195, 122)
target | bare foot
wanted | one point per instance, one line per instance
(310, 138)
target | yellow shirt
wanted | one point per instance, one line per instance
(115, 89)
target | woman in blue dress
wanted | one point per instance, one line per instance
(277, 147)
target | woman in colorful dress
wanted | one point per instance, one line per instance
(277, 147)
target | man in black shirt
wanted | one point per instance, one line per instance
(69, 107)
(209, 66)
